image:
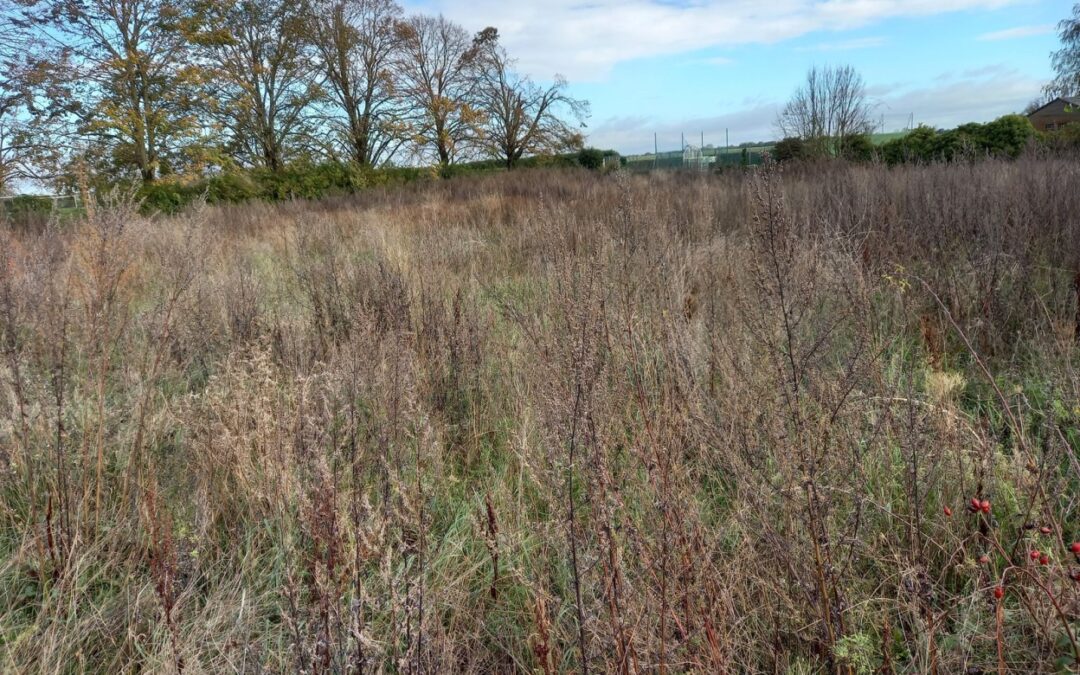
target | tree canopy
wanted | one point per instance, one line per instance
(152, 88)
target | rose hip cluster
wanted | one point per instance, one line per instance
(977, 505)
(1043, 558)
(1075, 549)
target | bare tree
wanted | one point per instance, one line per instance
(263, 75)
(1066, 61)
(357, 42)
(1037, 102)
(24, 112)
(438, 67)
(522, 117)
(827, 109)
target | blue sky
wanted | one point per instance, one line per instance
(693, 66)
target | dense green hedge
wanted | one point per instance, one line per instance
(1004, 137)
(293, 182)
(23, 205)
(314, 181)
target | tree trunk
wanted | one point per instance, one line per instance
(358, 132)
(270, 153)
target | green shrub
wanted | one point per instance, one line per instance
(1065, 138)
(24, 205)
(301, 181)
(26, 211)
(1004, 137)
(1008, 135)
(917, 146)
(858, 148)
(231, 187)
(469, 168)
(591, 158)
(791, 148)
(564, 161)
(168, 196)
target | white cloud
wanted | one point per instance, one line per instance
(953, 99)
(973, 96)
(847, 45)
(1018, 32)
(585, 39)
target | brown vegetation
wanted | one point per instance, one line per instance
(551, 422)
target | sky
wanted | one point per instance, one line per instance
(693, 67)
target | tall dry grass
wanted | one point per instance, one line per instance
(551, 422)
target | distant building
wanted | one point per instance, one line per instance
(1056, 114)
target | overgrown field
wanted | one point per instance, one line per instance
(552, 422)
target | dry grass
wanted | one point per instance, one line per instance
(551, 422)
